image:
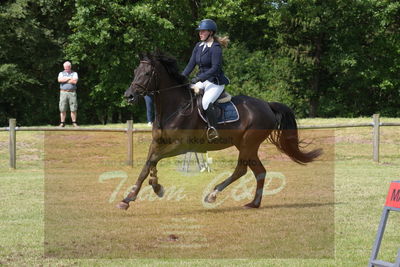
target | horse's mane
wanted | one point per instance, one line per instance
(170, 64)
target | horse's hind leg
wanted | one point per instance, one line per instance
(240, 170)
(247, 158)
(259, 172)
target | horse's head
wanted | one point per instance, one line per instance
(144, 82)
(155, 70)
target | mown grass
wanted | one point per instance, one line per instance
(360, 190)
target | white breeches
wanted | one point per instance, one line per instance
(211, 92)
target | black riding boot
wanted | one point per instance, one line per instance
(212, 122)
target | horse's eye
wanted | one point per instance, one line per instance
(147, 73)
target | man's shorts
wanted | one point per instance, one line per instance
(68, 98)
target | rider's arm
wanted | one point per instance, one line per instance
(192, 62)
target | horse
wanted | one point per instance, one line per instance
(177, 123)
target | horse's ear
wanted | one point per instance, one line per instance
(157, 53)
(145, 56)
(141, 56)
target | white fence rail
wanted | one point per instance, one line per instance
(129, 130)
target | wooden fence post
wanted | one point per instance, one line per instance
(376, 133)
(129, 134)
(12, 144)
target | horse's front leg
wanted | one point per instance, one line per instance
(124, 204)
(156, 153)
(153, 181)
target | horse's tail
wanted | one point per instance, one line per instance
(285, 136)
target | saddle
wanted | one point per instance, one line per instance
(225, 108)
(224, 97)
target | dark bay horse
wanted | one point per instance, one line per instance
(178, 128)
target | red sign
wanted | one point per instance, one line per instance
(393, 197)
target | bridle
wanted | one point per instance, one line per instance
(155, 74)
(146, 90)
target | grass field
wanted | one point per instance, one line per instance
(57, 208)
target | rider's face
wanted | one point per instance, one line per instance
(204, 34)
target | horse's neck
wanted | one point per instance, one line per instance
(168, 101)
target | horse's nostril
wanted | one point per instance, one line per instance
(131, 98)
(128, 96)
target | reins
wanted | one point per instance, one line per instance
(169, 88)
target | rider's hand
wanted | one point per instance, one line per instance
(195, 88)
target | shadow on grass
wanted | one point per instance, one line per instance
(266, 207)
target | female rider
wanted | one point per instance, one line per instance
(207, 54)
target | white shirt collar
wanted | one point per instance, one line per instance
(209, 43)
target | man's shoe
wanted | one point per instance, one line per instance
(62, 124)
(75, 124)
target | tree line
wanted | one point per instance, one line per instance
(323, 58)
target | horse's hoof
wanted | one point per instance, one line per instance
(211, 197)
(159, 190)
(251, 205)
(123, 206)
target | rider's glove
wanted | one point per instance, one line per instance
(195, 88)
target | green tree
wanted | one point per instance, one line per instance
(322, 58)
(108, 36)
(31, 39)
(325, 58)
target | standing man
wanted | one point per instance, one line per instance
(149, 109)
(68, 80)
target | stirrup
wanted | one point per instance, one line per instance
(212, 133)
